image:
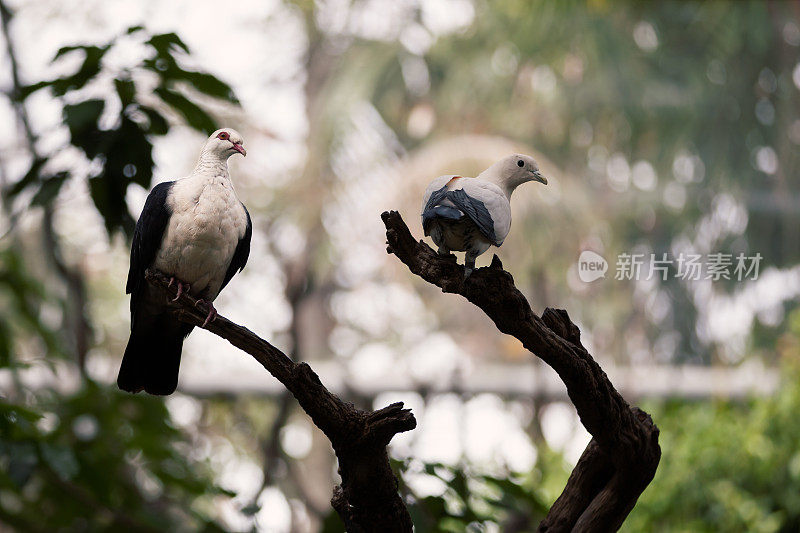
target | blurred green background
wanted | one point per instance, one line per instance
(664, 128)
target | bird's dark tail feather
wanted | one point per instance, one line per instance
(153, 356)
(439, 211)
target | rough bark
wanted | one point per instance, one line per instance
(623, 455)
(367, 500)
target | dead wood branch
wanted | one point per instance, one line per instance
(623, 455)
(367, 499)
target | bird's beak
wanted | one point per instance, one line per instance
(239, 148)
(537, 176)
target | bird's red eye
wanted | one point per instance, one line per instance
(223, 135)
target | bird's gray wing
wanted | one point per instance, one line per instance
(147, 237)
(241, 253)
(435, 198)
(434, 209)
(476, 211)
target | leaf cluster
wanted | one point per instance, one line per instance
(115, 132)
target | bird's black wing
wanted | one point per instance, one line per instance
(476, 211)
(147, 237)
(153, 354)
(434, 209)
(241, 253)
(434, 199)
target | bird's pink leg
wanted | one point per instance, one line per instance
(212, 312)
(182, 287)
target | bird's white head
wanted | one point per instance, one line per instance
(512, 171)
(223, 143)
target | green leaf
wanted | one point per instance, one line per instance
(206, 84)
(108, 195)
(126, 90)
(22, 462)
(61, 460)
(83, 115)
(89, 69)
(6, 349)
(126, 153)
(164, 42)
(25, 294)
(130, 155)
(158, 124)
(194, 115)
(49, 189)
(18, 411)
(29, 178)
(159, 65)
(65, 50)
(87, 49)
(27, 90)
(82, 121)
(166, 67)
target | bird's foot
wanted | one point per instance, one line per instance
(469, 266)
(182, 287)
(212, 312)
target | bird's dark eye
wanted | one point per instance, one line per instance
(520, 163)
(224, 136)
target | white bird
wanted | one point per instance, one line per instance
(471, 214)
(196, 230)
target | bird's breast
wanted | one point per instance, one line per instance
(204, 229)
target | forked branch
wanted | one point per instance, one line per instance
(623, 455)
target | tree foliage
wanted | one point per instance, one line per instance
(733, 466)
(115, 133)
(98, 459)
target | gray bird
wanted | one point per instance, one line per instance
(196, 230)
(471, 214)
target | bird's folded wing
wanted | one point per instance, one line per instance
(242, 252)
(148, 235)
(486, 206)
(476, 211)
(434, 187)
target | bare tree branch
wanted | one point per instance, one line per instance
(367, 499)
(623, 455)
